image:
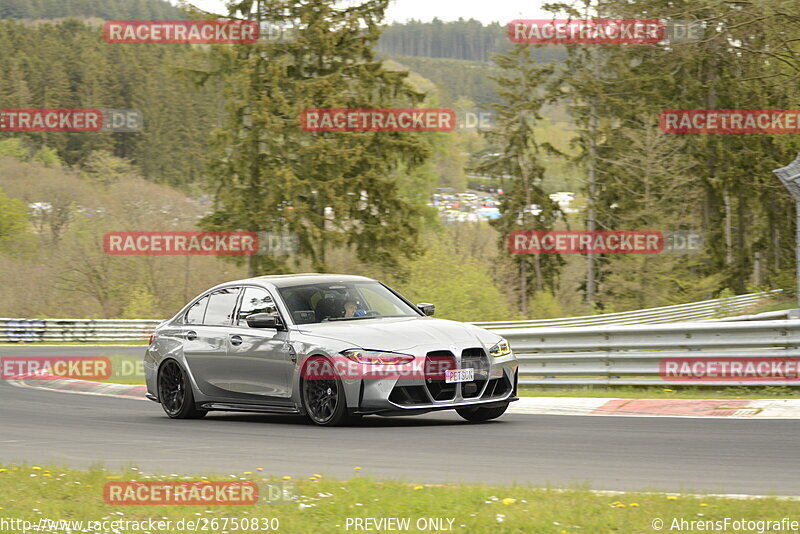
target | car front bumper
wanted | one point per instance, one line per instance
(495, 383)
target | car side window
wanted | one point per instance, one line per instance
(255, 300)
(220, 307)
(196, 313)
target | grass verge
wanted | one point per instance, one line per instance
(324, 506)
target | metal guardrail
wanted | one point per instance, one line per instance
(694, 311)
(632, 354)
(79, 330)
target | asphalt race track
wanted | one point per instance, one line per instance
(614, 453)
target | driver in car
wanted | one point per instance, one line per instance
(351, 309)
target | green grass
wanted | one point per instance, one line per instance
(322, 505)
(663, 392)
(781, 302)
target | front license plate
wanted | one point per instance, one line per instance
(459, 375)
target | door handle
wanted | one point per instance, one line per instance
(236, 340)
(191, 335)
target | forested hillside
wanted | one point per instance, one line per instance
(68, 64)
(455, 78)
(461, 39)
(104, 9)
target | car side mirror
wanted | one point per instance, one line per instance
(263, 320)
(426, 308)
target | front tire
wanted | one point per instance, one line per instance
(478, 415)
(323, 396)
(175, 392)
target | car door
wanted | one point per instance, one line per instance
(205, 340)
(259, 358)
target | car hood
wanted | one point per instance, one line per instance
(402, 333)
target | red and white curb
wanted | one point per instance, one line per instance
(701, 408)
(695, 408)
(83, 387)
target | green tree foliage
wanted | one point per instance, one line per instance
(545, 305)
(141, 305)
(14, 148)
(455, 78)
(331, 189)
(104, 9)
(13, 223)
(68, 64)
(47, 157)
(103, 168)
(461, 287)
(460, 39)
(747, 59)
(524, 204)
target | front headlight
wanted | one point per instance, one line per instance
(377, 357)
(501, 349)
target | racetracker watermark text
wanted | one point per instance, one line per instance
(730, 121)
(589, 31)
(401, 367)
(201, 492)
(55, 367)
(70, 120)
(200, 243)
(603, 242)
(180, 32)
(730, 368)
(377, 120)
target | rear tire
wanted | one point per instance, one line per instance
(324, 399)
(175, 392)
(477, 415)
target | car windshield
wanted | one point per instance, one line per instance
(343, 301)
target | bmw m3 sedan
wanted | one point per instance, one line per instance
(330, 347)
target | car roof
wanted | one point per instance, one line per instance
(288, 280)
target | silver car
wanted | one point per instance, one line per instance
(331, 347)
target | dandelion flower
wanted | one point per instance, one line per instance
(509, 500)
(672, 498)
(418, 487)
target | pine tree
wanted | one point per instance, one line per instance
(524, 204)
(331, 189)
